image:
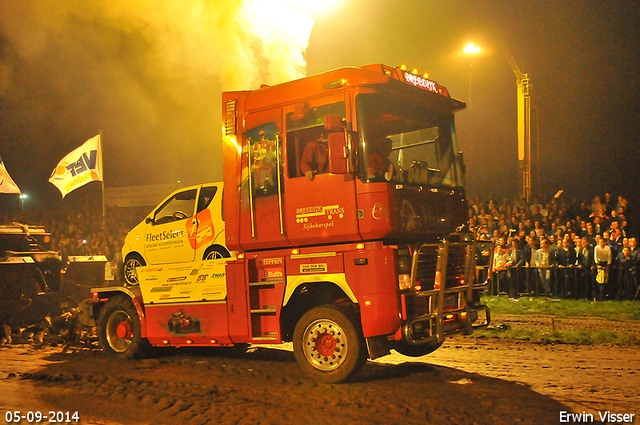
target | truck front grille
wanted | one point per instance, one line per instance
(427, 265)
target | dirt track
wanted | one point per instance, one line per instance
(467, 381)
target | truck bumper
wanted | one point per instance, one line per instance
(444, 297)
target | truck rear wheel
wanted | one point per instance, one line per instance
(327, 344)
(119, 330)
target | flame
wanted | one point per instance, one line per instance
(243, 43)
(284, 33)
(148, 72)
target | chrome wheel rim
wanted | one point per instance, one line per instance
(214, 255)
(119, 331)
(130, 273)
(325, 345)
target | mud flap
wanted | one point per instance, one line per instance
(377, 346)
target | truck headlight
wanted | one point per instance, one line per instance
(404, 281)
(404, 264)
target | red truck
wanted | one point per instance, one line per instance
(345, 210)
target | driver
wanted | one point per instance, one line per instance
(315, 158)
(379, 166)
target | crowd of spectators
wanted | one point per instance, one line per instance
(559, 246)
(78, 228)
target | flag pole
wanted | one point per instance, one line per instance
(104, 214)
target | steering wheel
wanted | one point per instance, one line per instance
(179, 215)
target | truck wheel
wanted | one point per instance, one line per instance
(119, 330)
(416, 350)
(132, 262)
(327, 344)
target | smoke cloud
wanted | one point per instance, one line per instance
(148, 73)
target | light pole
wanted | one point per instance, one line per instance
(471, 50)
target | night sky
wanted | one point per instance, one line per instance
(149, 75)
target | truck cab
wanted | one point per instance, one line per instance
(362, 119)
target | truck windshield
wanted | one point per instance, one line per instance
(406, 143)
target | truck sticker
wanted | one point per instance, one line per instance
(303, 214)
(313, 268)
(201, 230)
(176, 279)
(165, 235)
(208, 283)
(315, 217)
(211, 290)
(180, 323)
(269, 261)
(269, 273)
(161, 289)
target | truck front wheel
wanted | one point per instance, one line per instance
(327, 344)
(416, 350)
(119, 330)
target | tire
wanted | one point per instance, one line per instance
(119, 330)
(327, 344)
(215, 252)
(416, 350)
(132, 262)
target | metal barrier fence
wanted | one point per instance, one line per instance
(563, 282)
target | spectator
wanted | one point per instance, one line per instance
(602, 259)
(634, 252)
(599, 225)
(590, 234)
(536, 216)
(516, 276)
(584, 261)
(543, 260)
(598, 209)
(608, 203)
(502, 261)
(565, 259)
(626, 267)
(622, 204)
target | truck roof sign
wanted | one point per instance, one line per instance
(420, 82)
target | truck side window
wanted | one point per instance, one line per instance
(307, 139)
(178, 207)
(263, 160)
(308, 151)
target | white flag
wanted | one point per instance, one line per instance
(78, 168)
(7, 185)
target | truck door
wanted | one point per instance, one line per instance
(167, 237)
(320, 207)
(261, 215)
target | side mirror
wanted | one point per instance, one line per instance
(148, 220)
(337, 153)
(333, 122)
